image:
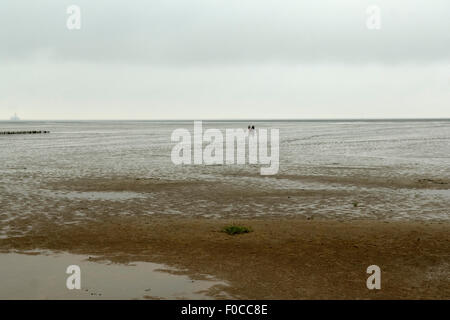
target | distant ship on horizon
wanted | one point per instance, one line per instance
(15, 117)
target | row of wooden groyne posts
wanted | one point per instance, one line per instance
(24, 132)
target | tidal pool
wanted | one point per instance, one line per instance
(43, 276)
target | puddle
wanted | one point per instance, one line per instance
(445, 193)
(99, 195)
(42, 276)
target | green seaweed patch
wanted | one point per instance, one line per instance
(234, 229)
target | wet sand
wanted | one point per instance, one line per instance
(283, 258)
(309, 242)
(348, 195)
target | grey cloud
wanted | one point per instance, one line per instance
(222, 32)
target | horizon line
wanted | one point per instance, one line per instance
(237, 119)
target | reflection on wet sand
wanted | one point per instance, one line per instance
(42, 275)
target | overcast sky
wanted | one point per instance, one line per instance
(210, 59)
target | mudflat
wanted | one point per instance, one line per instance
(285, 258)
(348, 195)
